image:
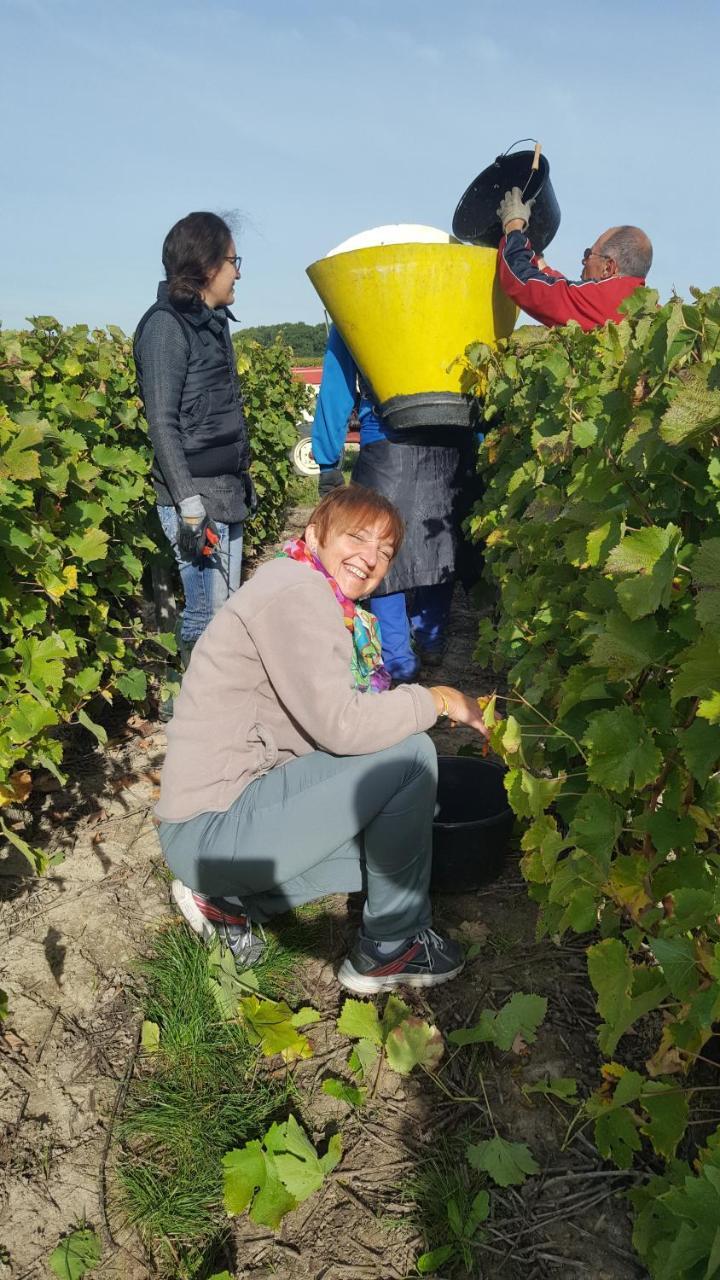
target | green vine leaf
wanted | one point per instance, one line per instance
(76, 1254)
(225, 984)
(564, 1088)
(359, 1020)
(244, 1174)
(700, 745)
(271, 1177)
(519, 1018)
(270, 1024)
(620, 749)
(624, 648)
(272, 1200)
(678, 961)
(509, 1164)
(396, 1012)
(95, 729)
(407, 1041)
(295, 1158)
(706, 580)
(363, 1058)
(344, 1092)
(596, 825)
(698, 676)
(414, 1043)
(530, 796)
(650, 555)
(617, 1137)
(668, 1113)
(694, 410)
(611, 974)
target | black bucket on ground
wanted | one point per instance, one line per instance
(472, 826)
(475, 220)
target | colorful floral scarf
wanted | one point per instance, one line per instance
(366, 665)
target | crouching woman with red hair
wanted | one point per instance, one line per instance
(293, 770)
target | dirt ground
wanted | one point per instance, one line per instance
(68, 945)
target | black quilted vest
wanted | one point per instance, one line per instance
(211, 412)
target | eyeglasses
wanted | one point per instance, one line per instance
(590, 253)
(236, 261)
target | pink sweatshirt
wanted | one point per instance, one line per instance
(269, 681)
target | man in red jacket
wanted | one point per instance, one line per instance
(616, 264)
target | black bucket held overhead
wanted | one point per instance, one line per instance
(475, 220)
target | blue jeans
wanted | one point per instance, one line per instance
(207, 585)
(322, 824)
(412, 618)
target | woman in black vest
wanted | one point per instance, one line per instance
(188, 381)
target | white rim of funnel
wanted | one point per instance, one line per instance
(394, 233)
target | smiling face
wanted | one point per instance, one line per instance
(220, 288)
(357, 559)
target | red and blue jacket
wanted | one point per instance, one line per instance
(550, 297)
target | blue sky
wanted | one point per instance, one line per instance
(315, 120)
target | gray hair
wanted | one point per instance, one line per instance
(631, 249)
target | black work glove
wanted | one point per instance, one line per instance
(330, 478)
(192, 537)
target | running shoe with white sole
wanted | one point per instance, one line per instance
(424, 960)
(217, 917)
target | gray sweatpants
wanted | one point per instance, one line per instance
(322, 824)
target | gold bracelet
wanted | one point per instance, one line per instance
(444, 711)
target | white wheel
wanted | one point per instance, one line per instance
(301, 457)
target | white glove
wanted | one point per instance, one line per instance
(513, 206)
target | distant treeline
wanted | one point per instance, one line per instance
(307, 340)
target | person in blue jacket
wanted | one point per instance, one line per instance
(426, 479)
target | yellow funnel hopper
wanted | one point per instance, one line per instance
(406, 312)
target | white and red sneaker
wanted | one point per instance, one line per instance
(218, 917)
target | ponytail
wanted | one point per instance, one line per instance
(192, 251)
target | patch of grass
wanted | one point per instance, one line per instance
(293, 937)
(444, 1176)
(504, 941)
(303, 491)
(203, 1093)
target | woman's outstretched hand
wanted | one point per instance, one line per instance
(459, 708)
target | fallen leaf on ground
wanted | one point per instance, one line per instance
(143, 727)
(14, 1043)
(519, 1046)
(17, 789)
(122, 783)
(471, 931)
